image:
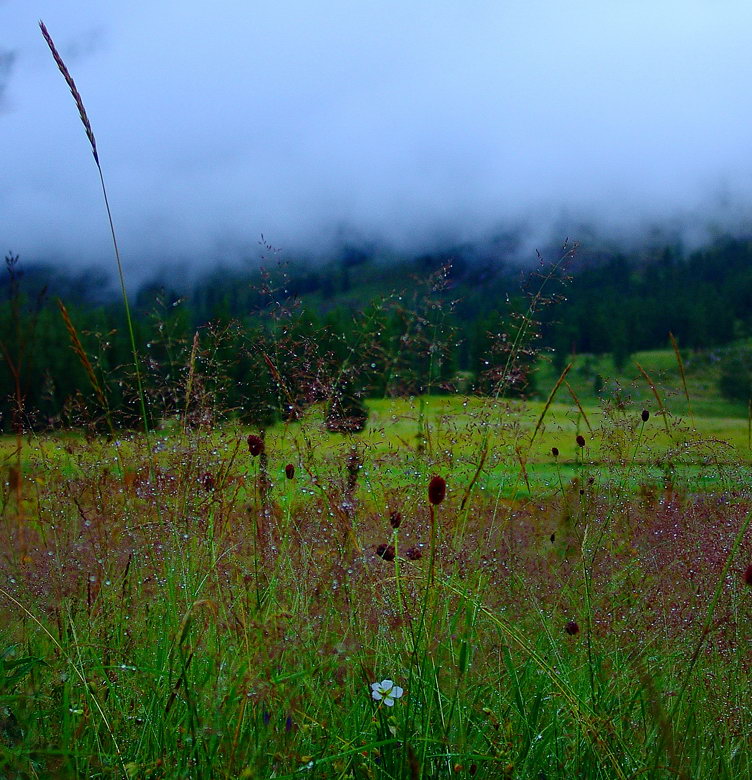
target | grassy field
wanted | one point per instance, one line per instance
(177, 607)
(470, 588)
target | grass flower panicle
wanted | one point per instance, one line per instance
(386, 692)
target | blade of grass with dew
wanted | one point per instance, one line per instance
(680, 363)
(579, 405)
(550, 400)
(658, 400)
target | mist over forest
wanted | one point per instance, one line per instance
(442, 317)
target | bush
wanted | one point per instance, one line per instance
(735, 381)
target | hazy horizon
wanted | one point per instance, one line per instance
(408, 126)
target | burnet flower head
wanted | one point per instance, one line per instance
(386, 691)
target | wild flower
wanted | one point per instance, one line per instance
(289, 471)
(555, 451)
(255, 444)
(645, 415)
(385, 551)
(386, 691)
(580, 440)
(395, 518)
(572, 628)
(414, 554)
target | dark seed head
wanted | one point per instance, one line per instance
(207, 481)
(572, 628)
(555, 451)
(580, 440)
(385, 551)
(289, 471)
(436, 490)
(395, 519)
(748, 575)
(645, 415)
(255, 445)
(414, 554)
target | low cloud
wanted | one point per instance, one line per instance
(7, 60)
(410, 125)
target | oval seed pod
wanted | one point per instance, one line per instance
(436, 490)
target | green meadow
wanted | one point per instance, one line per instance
(437, 586)
(176, 606)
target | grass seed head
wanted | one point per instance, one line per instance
(580, 440)
(645, 415)
(436, 490)
(555, 451)
(395, 518)
(289, 471)
(385, 551)
(74, 91)
(572, 628)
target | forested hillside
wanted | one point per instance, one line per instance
(271, 342)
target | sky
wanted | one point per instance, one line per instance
(409, 124)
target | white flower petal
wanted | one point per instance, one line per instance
(396, 692)
(387, 684)
(389, 702)
(377, 695)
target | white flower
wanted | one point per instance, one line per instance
(386, 691)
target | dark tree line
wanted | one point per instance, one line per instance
(266, 346)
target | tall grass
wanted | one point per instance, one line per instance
(221, 603)
(63, 68)
(153, 628)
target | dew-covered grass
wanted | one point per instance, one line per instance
(576, 604)
(175, 607)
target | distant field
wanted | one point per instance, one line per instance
(702, 372)
(405, 436)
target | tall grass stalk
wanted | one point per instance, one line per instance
(62, 67)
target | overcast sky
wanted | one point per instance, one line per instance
(412, 122)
